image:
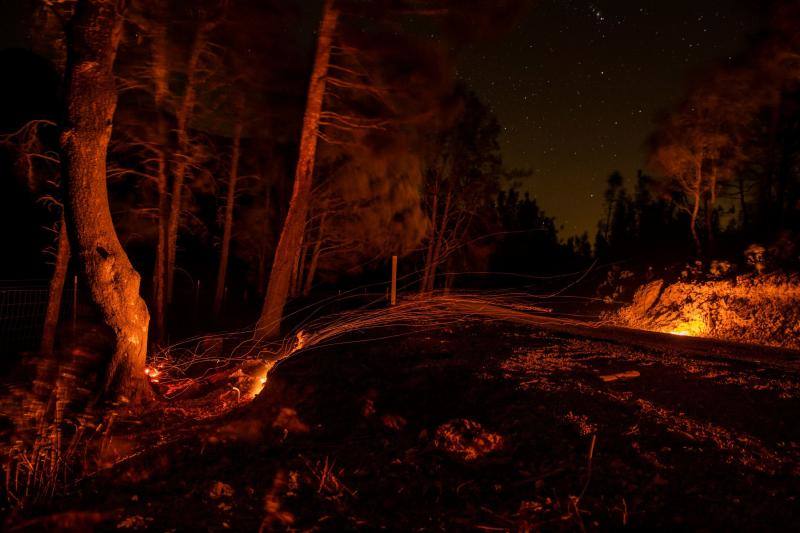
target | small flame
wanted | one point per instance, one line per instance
(260, 379)
(693, 327)
(301, 341)
(152, 372)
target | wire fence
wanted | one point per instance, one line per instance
(23, 304)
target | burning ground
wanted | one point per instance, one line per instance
(478, 425)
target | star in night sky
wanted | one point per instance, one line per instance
(577, 84)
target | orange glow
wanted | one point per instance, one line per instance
(693, 327)
(260, 379)
(301, 341)
(153, 373)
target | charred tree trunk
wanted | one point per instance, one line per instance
(90, 101)
(230, 203)
(56, 290)
(294, 226)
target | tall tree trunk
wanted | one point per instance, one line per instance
(743, 206)
(160, 75)
(296, 268)
(265, 243)
(693, 224)
(293, 228)
(90, 101)
(312, 267)
(709, 212)
(437, 250)
(56, 290)
(765, 196)
(711, 201)
(301, 269)
(183, 117)
(230, 203)
(423, 286)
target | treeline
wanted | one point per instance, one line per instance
(729, 153)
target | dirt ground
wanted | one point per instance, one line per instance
(488, 427)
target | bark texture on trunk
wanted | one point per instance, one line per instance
(90, 101)
(230, 202)
(289, 244)
(56, 290)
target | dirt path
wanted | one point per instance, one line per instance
(692, 346)
(488, 427)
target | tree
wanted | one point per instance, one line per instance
(230, 203)
(183, 116)
(291, 237)
(90, 100)
(614, 184)
(33, 143)
(679, 152)
(462, 176)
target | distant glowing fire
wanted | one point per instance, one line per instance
(693, 327)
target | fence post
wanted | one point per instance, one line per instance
(393, 298)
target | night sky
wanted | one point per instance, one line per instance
(577, 84)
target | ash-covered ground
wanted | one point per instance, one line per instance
(488, 427)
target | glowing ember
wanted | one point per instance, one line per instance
(694, 327)
(260, 379)
(301, 341)
(153, 373)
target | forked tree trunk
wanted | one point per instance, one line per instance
(56, 290)
(230, 203)
(269, 323)
(90, 100)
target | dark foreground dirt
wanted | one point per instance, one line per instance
(486, 427)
